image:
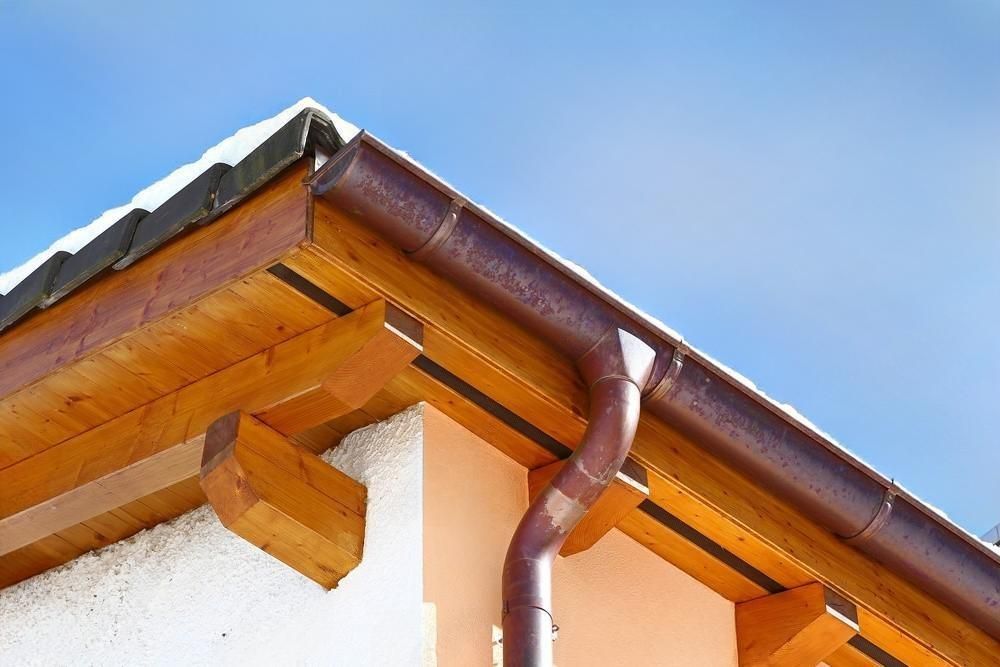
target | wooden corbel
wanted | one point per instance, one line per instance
(283, 498)
(801, 626)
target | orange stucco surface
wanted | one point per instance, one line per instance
(616, 604)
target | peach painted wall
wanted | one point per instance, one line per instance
(616, 604)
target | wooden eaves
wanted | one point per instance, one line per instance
(97, 440)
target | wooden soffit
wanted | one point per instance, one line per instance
(91, 390)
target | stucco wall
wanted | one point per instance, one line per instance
(616, 604)
(442, 506)
(189, 592)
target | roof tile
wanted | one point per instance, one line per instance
(92, 259)
(307, 130)
(189, 206)
(31, 292)
(202, 200)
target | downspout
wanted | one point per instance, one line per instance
(615, 369)
(432, 223)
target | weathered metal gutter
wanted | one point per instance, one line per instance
(434, 224)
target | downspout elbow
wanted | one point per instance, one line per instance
(615, 368)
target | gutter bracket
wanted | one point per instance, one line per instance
(668, 379)
(878, 521)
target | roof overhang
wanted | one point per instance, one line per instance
(100, 429)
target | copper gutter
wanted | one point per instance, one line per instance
(432, 222)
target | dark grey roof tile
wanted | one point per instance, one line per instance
(30, 292)
(201, 201)
(189, 206)
(308, 130)
(92, 259)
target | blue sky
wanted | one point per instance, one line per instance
(808, 191)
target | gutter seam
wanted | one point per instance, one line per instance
(442, 233)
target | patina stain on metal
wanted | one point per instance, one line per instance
(358, 179)
(425, 217)
(559, 450)
(409, 206)
(615, 369)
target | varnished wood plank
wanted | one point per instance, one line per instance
(97, 495)
(284, 499)
(899, 645)
(689, 557)
(802, 626)
(81, 538)
(849, 656)
(175, 499)
(485, 349)
(275, 299)
(35, 357)
(35, 558)
(158, 445)
(249, 237)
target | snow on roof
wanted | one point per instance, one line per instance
(230, 150)
(234, 148)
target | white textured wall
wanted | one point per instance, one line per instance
(190, 592)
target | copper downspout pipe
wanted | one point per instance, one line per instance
(431, 222)
(615, 369)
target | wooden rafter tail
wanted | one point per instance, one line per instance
(801, 626)
(300, 383)
(382, 342)
(497, 356)
(283, 498)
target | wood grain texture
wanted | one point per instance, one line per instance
(689, 558)
(54, 381)
(496, 356)
(161, 353)
(791, 629)
(622, 497)
(156, 445)
(99, 531)
(849, 656)
(284, 499)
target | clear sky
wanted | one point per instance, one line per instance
(810, 192)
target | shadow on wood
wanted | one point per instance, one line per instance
(283, 498)
(802, 626)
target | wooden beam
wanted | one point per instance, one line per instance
(283, 499)
(502, 360)
(626, 492)
(158, 444)
(850, 656)
(802, 626)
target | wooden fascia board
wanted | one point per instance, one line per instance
(328, 369)
(501, 359)
(35, 355)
